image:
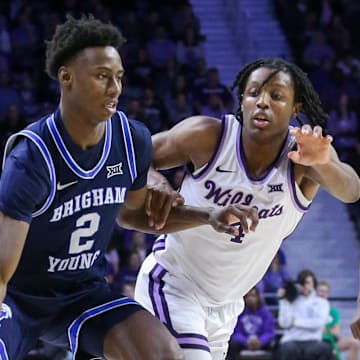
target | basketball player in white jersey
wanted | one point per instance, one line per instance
(195, 280)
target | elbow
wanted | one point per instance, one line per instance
(353, 197)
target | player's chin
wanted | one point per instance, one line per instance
(106, 113)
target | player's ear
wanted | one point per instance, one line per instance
(64, 76)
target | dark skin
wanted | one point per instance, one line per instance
(99, 71)
(267, 107)
(266, 116)
(90, 86)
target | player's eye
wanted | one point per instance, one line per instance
(253, 92)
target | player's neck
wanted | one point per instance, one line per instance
(82, 132)
(259, 158)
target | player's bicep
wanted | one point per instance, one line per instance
(12, 239)
(185, 143)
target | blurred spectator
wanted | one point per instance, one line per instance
(343, 125)
(199, 76)
(27, 92)
(5, 45)
(184, 19)
(331, 332)
(164, 80)
(160, 47)
(323, 80)
(189, 48)
(274, 279)
(11, 124)
(155, 114)
(25, 41)
(212, 86)
(178, 86)
(214, 107)
(255, 328)
(303, 320)
(134, 111)
(317, 50)
(179, 109)
(8, 95)
(339, 35)
(140, 71)
(348, 64)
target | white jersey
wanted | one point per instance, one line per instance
(220, 268)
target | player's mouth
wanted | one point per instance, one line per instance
(111, 106)
(260, 120)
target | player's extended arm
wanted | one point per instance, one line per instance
(132, 215)
(12, 240)
(192, 141)
(323, 165)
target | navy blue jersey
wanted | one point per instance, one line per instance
(71, 198)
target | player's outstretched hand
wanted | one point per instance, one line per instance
(312, 147)
(227, 219)
(355, 324)
(159, 201)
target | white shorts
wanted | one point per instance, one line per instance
(203, 332)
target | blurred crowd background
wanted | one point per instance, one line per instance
(167, 78)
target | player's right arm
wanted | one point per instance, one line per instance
(24, 184)
(191, 141)
(12, 239)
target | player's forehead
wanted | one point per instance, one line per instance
(100, 56)
(269, 76)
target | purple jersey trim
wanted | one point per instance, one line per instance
(159, 244)
(201, 174)
(291, 181)
(161, 309)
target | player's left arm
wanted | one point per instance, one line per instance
(322, 164)
(132, 215)
(12, 239)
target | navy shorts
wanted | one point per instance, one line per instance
(79, 322)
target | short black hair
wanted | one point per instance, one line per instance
(303, 275)
(304, 92)
(75, 35)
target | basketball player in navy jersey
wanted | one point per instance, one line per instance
(253, 158)
(64, 179)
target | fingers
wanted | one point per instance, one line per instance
(162, 204)
(158, 205)
(236, 214)
(307, 130)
